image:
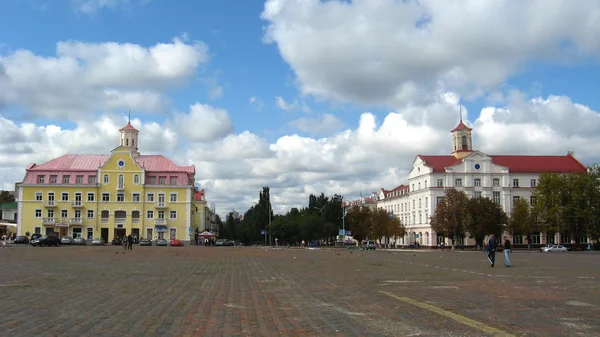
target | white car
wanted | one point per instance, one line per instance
(554, 248)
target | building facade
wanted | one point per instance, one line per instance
(503, 178)
(108, 196)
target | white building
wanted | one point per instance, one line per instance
(503, 178)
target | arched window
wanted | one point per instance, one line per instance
(465, 145)
(127, 142)
(106, 180)
(136, 179)
(133, 142)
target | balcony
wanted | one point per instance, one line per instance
(77, 203)
(160, 221)
(120, 221)
(135, 220)
(161, 204)
(104, 220)
(120, 187)
(76, 221)
(50, 203)
(48, 221)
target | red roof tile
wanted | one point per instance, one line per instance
(73, 162)
(516, 163)
(128, 127)
(199, 196)
(461, 126)
(160, 163)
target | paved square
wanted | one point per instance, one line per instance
(198, 291)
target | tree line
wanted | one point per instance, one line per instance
(320, 220)
(568, 204)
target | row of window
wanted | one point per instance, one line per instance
(77, 232)
(405, 206)
(106, 196)
(64, 214)
(79, 179)
(495, 182)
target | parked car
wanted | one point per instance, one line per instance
(35, 236)
(162, 242)
(98, 242)
(219, 242)
(66, 240)
(370, 245)
(145, 242)
(79, 241)
(21, 239)
(47, 240)
(116, 242)
(176, 243)
(554, 248)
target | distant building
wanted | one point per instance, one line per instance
(503, 178)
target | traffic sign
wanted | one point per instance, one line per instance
(342, 232)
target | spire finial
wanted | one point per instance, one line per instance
(460, 111)
(129, 120)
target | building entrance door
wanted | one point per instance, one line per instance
(119, 233)
(104, 234)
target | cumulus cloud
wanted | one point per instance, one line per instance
(282, 104)
(85, 77)
(90, 7)
(203, 123)
(391, 51)
(323, 125)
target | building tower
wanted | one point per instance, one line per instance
(462, 139)
(129, 138)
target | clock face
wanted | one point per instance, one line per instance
(477, 166)
(121, 163)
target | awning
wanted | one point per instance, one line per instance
(207, 234)
(160, 228)
(8, 224)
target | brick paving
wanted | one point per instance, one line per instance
(198, 291)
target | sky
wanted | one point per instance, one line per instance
(303, 96)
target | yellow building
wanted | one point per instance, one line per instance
(108, 196)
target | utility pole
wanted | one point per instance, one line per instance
(269, 221)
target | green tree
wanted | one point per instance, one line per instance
(451, 215)
(484, 217)
(6, 196)
(360, 222)
(548, 205)
(522, 220)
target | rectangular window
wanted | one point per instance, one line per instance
(38, 230)
(136, 179)
(106, 179)
(517, 240)
(532, 200)
(38, 213)
(76, 233)
(120, 197)
(40, 179)
(420, 204)
(477, 182)
(80, 179)
(515, 182)
(105, 197)
(413, 204)
(425, 183)
(77, 214)
(440, 183)
(135, 197)
(150, 215)
(90, 233)
(150, 197)
(426, 202)
(496, 182)
(533, 182)
(66, 179)
(92, 179)
(173, 180)
(50, 213)
(534, 238)
(173, 197)
(458, 182)
(496, 197)
(151, 180)
(162, 180)
(64, 214)
(515, 199)
(91, 197)
(477, 194)
(38, 196)
(161, 214)
(438, 200)
(172, 215)
(64, 196)
(53, 179)
(90, 214)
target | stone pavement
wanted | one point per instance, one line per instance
(226, 291)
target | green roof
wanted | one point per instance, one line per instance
(9, 205)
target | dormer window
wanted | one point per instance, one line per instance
(66, 179)
(41, 179)
(53, 179)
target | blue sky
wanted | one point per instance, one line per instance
(365, 87)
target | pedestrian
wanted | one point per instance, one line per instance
(124, 242)
(507, 248)
(491, 250)
(4, 240)
(130, 242)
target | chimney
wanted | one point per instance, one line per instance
(570, 153)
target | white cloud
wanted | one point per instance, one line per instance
(257, 103)
(86, 77)
(283, 105)
(390, 52)
(363, 158)
(325, 124)
(90, 7)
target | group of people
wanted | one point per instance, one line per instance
(6, 240)
(127, 242)
(490, 248)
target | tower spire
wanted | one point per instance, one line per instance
(460, 112)
(129, 119)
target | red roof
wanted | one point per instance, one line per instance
(128, 127)
(91, 162)
(461, 126)
(199, 196)
(516, 164)
(401, 190)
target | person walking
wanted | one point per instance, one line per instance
(491, 250)
(129, 242)
(507, 248)
(124, 242)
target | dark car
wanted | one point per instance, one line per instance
(116, 242)
(21, 239)
(145, 242)
(35, 236)
(370, 245)
(162, 242)
(47, 240)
